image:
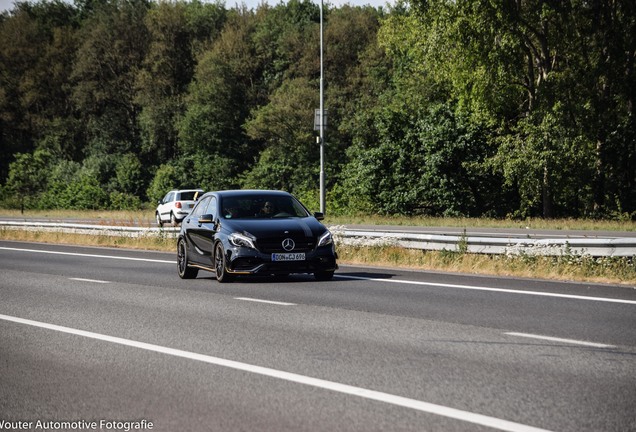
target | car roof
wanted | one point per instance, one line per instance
(187, 190)
(246, 192)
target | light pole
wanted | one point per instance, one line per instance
(322, 123)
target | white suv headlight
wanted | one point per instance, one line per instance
(243, 240)
(325, 239)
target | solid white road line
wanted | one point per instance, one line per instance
(479, 288)
(90, 255)
(430, 408)
(89, 280)
(264, 301)
(554, 339)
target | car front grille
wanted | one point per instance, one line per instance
(275, 245)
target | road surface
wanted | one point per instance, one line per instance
(108, 339)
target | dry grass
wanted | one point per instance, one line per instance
(531, 223)
(143, 243)
(608, 270)
(142, 218)
(566, 268)
(146, 218)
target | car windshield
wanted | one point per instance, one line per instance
(262, 207)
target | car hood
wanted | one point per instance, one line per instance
(294, 227)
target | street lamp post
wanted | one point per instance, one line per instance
(322, 122)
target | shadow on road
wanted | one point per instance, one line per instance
(366, 275)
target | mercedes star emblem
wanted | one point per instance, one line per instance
(288, 244)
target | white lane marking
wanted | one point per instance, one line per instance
(89, 255)
(90, 280)
(503, 290)
(264, 301)
(430, 408)
(555, 339)
(406, 282)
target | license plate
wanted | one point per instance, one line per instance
(190, 205)
(288, 257)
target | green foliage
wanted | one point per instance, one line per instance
(437, 107)
(285, 128)
(429, 162)
(129, 175)
(175, 31)
(82, 193)
(114, 42)
(206, 171)
(218, 101)
(27, 176)
(124, 201)
(165, 179)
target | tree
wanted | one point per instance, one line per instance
(164, 180)
(114, 43)
(524, 66)
(129, 174)
(219, 100)
(427, 161)
(36, 50)
(28, 175)
(290, 160)
(168, 68)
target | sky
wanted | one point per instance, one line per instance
(8, 4)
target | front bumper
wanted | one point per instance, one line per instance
(247, 261)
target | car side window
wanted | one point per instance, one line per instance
(212, 207)
(168, 197)
(201, 207)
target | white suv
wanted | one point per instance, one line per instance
(176, 205)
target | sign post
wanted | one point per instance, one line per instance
(322, 120)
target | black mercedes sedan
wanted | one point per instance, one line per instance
(254, 232)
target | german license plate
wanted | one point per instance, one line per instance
(288, 256)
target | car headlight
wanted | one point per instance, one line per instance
(243, 240)
(325, 239)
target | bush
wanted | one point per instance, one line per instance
(82, 193)
(124, 201)
(164, 180)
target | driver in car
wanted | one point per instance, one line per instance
(267, 210)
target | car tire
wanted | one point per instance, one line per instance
(173, 220)
(185, 272)
(159, 221)
(323, 275)
(220, 266)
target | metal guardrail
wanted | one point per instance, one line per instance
(107, 230)
(595, 247)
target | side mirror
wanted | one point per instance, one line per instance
(319, 215)
(206, 218)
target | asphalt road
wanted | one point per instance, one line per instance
(106, 339)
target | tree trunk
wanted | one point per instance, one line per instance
(548, 205)
(599, 179)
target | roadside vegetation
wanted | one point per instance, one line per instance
(442, 108)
